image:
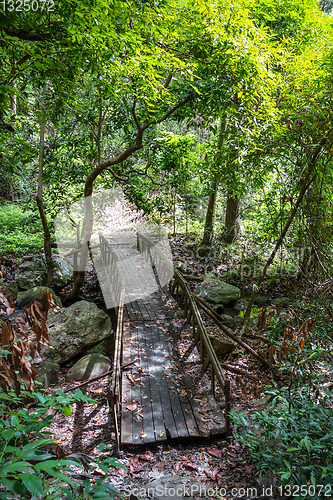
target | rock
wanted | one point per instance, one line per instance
(282, 300)
(76, 329)
(173, 487)
(241, 305)
(222, 346)
(261, 301)
(47, 371)
(37, 292)
(89, 366)
(218, 291)
(183, 267)
(32, 272)
(227, 321)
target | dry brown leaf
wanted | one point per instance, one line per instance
(215, 452)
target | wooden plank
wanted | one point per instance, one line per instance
(150, 311)
(126, 389)
(142, 308)
(162, 358)
(156, 369)
(217, 427)
(185, 396)
(136, 389)
(172, 386)
(147, 411)
(130, 312)
(196, 408)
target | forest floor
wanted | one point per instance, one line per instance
(221, 466)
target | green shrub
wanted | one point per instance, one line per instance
(292, 437)
(28, 467)
(21, 231)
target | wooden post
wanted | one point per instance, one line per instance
(227, 408)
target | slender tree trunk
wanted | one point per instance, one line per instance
(208, 231)
(13, 98)
(209, 223)
(231, 219)
(309, 178)
(39, 197)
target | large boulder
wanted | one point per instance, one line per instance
(92, 365)
(217, 291)
(222, 346)
(285, 301)
(36, 293)
(33, 272)
(75, 330)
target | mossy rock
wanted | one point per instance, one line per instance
(92, 365)
(36, 293)
(222, 346)
(282, 301)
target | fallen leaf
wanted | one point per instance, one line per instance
(215, 452)
(97, 391)
(158, 466)
(211, 474)
(131, 407)
(148, 456)
(190, 466)
(142, 435)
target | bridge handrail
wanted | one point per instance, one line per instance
(117, 290)
(207, 352)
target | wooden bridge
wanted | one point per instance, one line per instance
(165, 370)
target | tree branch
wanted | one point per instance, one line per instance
(137, 123)
(168, 113)
(26, 35)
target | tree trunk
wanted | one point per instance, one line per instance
(89, 184)
(208, 231)
(209, 223)
(231, 219)
(309, 178)
(39, 197)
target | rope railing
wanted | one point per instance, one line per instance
(180, 288)
(115, 278)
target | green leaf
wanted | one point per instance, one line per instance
(32, 483)
(66, 410)
(14, 486)
(54, 463)
(287, 463)
(36, 455)
(8, 434)
(60, 475)
(15, 420)
(307, 443)
(17, 466)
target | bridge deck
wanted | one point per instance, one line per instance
(165, 393)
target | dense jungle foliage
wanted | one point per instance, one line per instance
(216, 120)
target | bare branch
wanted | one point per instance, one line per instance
(168, 80)
(168, 113)
(26, 35)
(137, 123)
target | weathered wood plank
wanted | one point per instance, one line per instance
(126, 389)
